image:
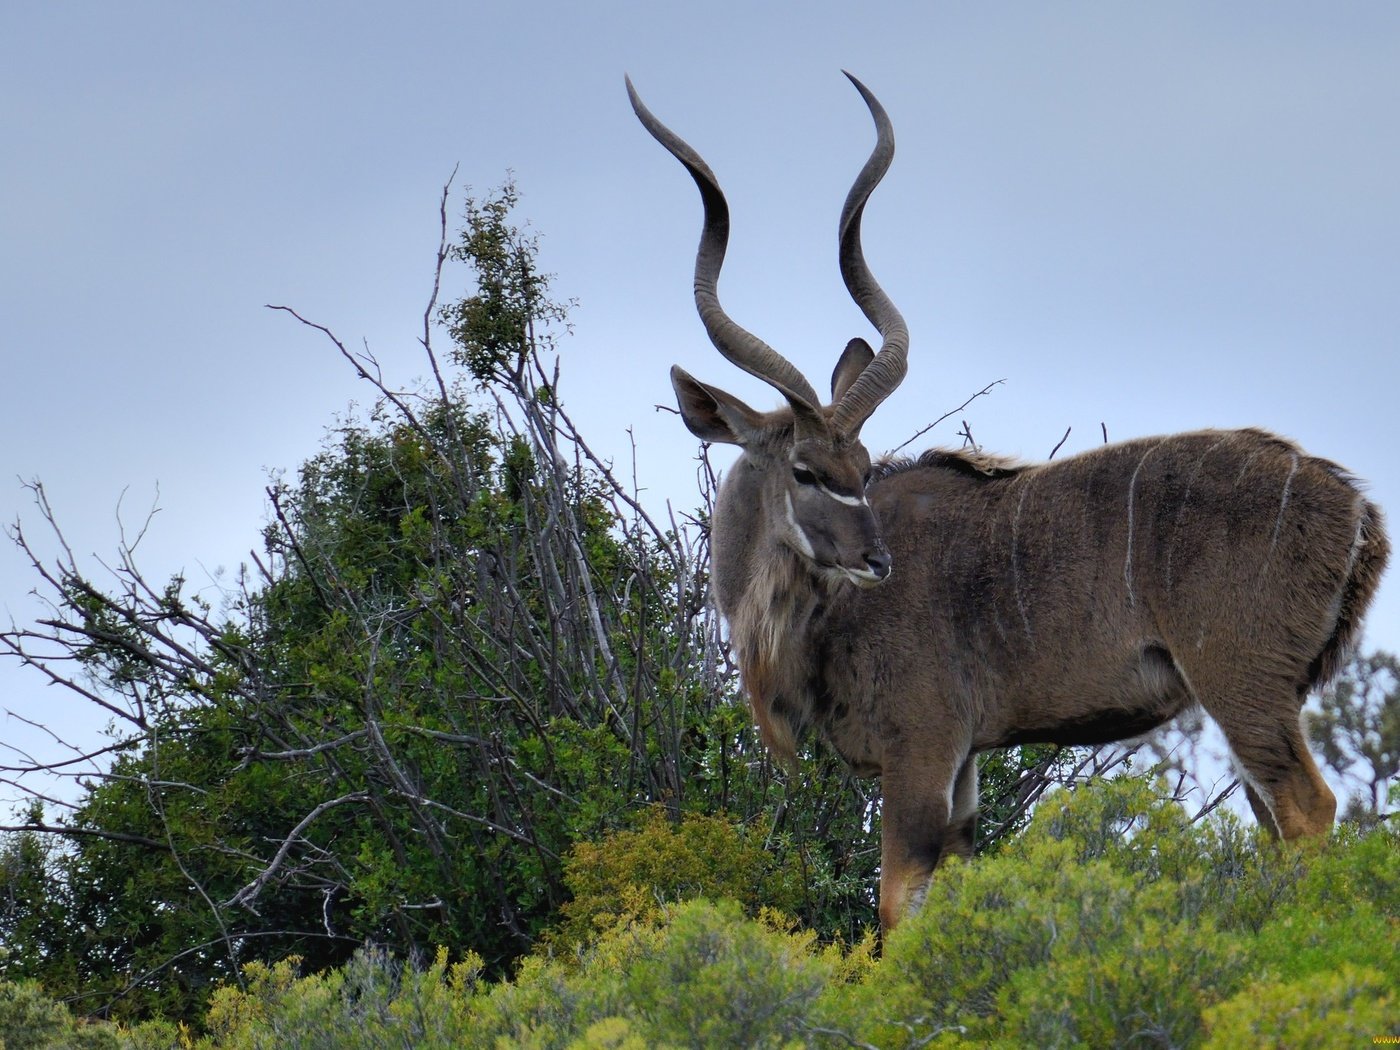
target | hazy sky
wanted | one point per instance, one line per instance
(1151, 217)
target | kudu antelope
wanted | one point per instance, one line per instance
(921, 611)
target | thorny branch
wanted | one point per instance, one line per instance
(986, 390)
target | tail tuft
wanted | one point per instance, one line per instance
(1369, 556)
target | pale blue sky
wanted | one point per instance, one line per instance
(1155, 217)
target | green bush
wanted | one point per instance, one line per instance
(28, 1017)
(1044, 949)
(1350, 1006)
(155, 1035)
(633, 875)
(1112, 921)
(1133, 972)
(715, 979)
(370, 1003)
(1103, 924)
(30, 1020)
(1343, 916)
(705, 975)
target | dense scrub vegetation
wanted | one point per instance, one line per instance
(463, 648)
(1112, 921)
(461, 760)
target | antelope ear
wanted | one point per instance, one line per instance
(853, 361)
(710, 413)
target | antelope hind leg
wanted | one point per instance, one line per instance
(1282, 782)
(1262, 813)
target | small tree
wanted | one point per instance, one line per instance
(1356, 729)
(463, 647)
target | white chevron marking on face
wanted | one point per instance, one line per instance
(803, 544)
(850, 501)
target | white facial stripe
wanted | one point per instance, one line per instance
(850, 501)
(803, 544)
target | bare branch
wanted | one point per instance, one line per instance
(249, 893)
(986, 390)
(67, 831)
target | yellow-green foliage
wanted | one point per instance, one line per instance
(30, 1020)
(27, 1017)
(633, 875)
(1115, 922)
(1344, 910)
(371, 1003)
(1350, 1006)
(705, 975)
(1112, 921)
(1072, 937)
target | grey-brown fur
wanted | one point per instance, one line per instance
(1019, 597)
(917, 613)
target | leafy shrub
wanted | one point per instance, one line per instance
(28, 1017)
(1343, 916)
(632, 875)
(372, 1002)
(1133, 972)
(717, 980)
(155, 1035)
(703, 976)
(30, 1020)
(1350, 1006)
(1052, 952)
(1112, 921)
(1092, 928)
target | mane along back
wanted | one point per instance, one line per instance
(961, 461)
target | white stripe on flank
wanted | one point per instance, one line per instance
(1016, 562)
(1132, 494)
(1283, 505)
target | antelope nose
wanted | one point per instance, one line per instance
(878, 561)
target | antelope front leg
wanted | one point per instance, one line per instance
(914, 829)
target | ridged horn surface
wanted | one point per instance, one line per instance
(737, 344)
(884, 373)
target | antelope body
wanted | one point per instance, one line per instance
(921, 611)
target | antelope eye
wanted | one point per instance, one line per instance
(803, 476)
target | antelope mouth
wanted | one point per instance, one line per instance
(865, 579)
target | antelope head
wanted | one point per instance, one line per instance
(804, 470)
